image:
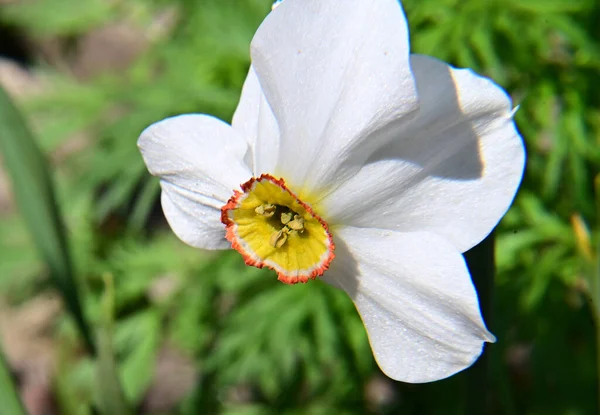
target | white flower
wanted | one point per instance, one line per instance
(361, 164)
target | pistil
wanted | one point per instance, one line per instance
(291, 221)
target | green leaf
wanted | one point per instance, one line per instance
(143, 205)
(11, 403)
(110, 396)
(61, 17)
(34, 192)
(138, 338)
(551, 6)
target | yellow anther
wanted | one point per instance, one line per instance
(266, 210)
(286, 217)
(278, 238)
(297, 224)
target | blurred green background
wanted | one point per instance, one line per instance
(182, 331)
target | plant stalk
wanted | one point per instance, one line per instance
(481, 263)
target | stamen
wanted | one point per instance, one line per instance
(267, 210)
(286, 217)
(290, 227)
(278, 238)
(297, 224)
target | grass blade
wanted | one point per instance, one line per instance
(34, 193)
(11, 403)
(111, 398)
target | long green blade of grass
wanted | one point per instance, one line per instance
(34, 193)
(11, 403)
(111, 398)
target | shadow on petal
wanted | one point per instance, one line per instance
(441, 139)
(343, 272)
(452, 170)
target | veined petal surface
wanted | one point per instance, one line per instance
(416, 299)
(335, 72)
(199, 160)
(254, 119)
(453, 169)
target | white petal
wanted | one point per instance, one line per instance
(454, 169)
(415, 297)
(334, 72)
(254, 119)
(194, 218)
(199, 160)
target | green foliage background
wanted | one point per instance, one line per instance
(304, 350)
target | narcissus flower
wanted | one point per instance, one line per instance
(353, 161)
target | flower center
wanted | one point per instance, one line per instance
(271, 227)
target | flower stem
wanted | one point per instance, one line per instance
(594, 285)
(481, 262)
(597, 321)
(595, 300)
